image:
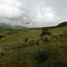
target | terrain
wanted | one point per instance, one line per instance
(33, 47)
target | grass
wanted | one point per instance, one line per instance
(34, 52)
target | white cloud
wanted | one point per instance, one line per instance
(36, 12)
(10, 8)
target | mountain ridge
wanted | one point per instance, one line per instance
(7, 26)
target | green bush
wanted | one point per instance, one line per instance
(40, 56)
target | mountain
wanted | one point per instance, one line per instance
(8, 26)
(62, 24)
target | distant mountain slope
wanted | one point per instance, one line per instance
(63, 24)
(4, 26)
(8, 26)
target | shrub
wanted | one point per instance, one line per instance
(1, 54)
(37, 42)
(1, 36)
(31, 42)
(26, 40)
(40, 56)
(45, 35)
(46, 39)
(45, 32)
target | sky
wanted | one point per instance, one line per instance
(33, 13)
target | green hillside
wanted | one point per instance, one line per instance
(38, 47)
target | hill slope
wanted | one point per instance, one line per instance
(41, 47)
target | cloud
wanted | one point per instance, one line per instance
(10, 8)
(33, 13)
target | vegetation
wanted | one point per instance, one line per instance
(41, 47)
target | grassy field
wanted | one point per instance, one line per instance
(41, 47)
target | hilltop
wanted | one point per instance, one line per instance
(63, 24)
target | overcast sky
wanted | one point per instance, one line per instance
(33, 13)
